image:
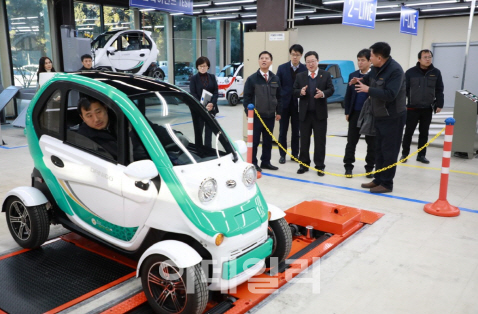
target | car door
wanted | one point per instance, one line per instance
(336, 81)
(92, 180)
(136, 50)
(239, 81)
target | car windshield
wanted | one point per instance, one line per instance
(187, 132)
(101, 41)
(228, 70)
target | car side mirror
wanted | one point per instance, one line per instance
(143, 170)
(241, 146)
(110, 51)
(238, 77)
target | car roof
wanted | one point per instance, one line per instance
(128, 83)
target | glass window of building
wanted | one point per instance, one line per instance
(155, 22)
(185, 55)
(117, 19)
(236, 45)
(87, 19)
(29, 32)
(211, 29)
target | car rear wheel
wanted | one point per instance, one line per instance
(170, 289)
(233, 99)
(281, 236)
(29, 226)
(158, 74)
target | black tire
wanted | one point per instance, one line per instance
(233, 99)
(171, 295)
(281, 236)
(29, 226)
(158, 74)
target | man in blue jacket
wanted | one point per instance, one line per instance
(262, 89)
(353, 105)
(424, 94)
(290, 105)
(385, 84)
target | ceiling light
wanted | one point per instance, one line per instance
(249, 22)
(179, 13)
(389, 6)
(299, 18)
(252, 7)
(389, 12)
(201, 4)
(248, 15)
(332, 2)
(304, 11)
(323, 17)
(197, 11)
(233, 2)
(223, 17)
(144, 10)
(444, 9)
(427, 3)
(222, 10)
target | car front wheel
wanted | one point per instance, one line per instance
(170, 289)
(281, 236)
(233, 99)
(29, 226)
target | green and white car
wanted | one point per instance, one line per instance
(189, 212)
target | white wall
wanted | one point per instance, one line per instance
(339, 41)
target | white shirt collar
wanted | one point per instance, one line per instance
(316, 72)
(264, 73)
(365, 72)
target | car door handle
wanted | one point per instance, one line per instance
(57, 161)
(141, 55)
(141, 185)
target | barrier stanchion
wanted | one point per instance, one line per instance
(250, 129)
(441, 207)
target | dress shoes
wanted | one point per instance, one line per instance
(282, 160)
(269, 166)
(302, 169)
(258, 169)
(321, 174)
(422, 159)
(380, 189)
(369, 185)
(402, 157)
(369, 176)
(348, 173)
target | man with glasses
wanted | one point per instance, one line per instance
(425, 95)
(290, 106)
(312, 87)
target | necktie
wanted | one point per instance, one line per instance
(312, 75)
(265, 76)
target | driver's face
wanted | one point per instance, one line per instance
(96, 117)
(87, 63)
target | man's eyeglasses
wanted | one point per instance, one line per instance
(427, 57)
(311, 62)
(296, 55)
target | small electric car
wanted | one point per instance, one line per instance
(230, 83)
(340, 71)
(180, 201)
(128, 51)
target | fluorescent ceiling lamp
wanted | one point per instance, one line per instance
(252, 7)
(159, 26)
(197, 12)
(249, 22)
(223, 17)
(427, 3)
(17, 18)
(85, 28)
(390, 12)
(222, 10)
(32, 17)
(304, 11)
(201, 4)
(147, 26)
(299, 18)
(444, 9)
(324, 17)
(19, 23)
(332, 2)
(248, 15)
(389, 6)
(176, 13)
(232, 2)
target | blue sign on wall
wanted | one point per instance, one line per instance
(408, 21)
(175, 6)
(360, 13)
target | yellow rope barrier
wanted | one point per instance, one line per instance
(343, 175)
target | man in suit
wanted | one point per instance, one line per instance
(385, 84)
(290, 106)
(313, 87)
(353, 106)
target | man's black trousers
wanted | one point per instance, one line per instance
(320, 132)
(266, 139)
(414, 116)
(353, 137)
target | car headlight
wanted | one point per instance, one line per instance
(207, 190)
(249, 176)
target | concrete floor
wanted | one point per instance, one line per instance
(407, 262)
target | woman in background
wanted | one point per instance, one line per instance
(45, 65)
(200, 81)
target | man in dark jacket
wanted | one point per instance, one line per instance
(425, 94)
(313, 88)
(262, 89)
(96, 125)
(385, 84)
(87, 62)
(290, 106)
(353, 106)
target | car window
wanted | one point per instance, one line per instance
(104, 144)
(186, 131)
(50, 114)
(333, 71)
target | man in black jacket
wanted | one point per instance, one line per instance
(385, 84)
(353, 106)
(262, 89)
(425, 94)
(313, 87)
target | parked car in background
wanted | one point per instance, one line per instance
(340, 71)
(230, 83)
